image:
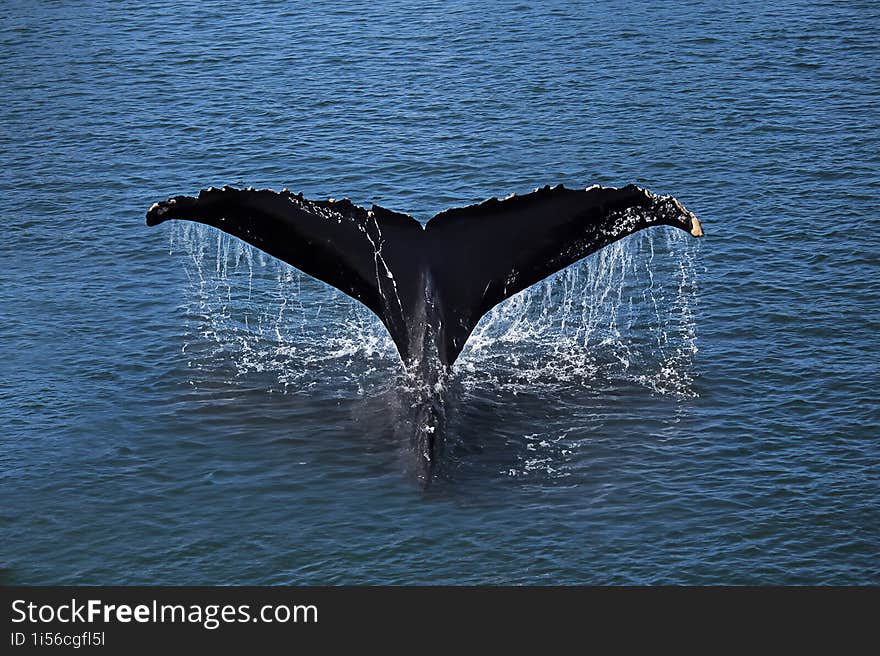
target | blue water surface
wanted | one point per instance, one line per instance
(177, 408)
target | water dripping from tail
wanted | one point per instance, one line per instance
(625, 316)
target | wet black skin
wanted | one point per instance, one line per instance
(430, 286)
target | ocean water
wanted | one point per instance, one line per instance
(178, 408)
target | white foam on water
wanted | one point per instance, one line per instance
(625, 315)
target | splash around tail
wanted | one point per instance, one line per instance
(431, 285)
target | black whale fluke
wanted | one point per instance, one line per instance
(430, 286)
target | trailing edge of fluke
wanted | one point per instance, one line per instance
(431, 285)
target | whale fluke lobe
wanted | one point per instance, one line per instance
(430, 286)
(337, 242)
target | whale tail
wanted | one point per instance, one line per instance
(431, 285)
